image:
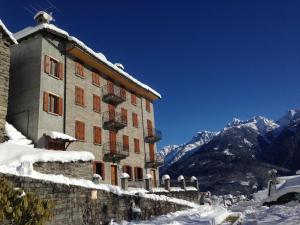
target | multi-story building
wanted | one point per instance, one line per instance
(6, 40)
(59, 84)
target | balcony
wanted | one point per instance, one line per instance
(154, 162)
(114, 152)
(113, 94)
(114, 121)
(153, 135)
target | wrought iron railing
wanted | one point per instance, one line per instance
(113, 94)
(115, 151)
(153, 135)
(114, 119)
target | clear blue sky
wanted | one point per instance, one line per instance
(211, 60)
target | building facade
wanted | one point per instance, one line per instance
(59, 84)
(6, 40)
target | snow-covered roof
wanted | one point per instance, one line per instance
(15, 136)
(58, 135)
(54, 29)
(124, 175)
(8, 33)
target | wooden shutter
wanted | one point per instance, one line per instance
(112, 140)
(82, 97)
(96, 79)
(96, 103)
(110, 87)
(60, 106)
(149, 127)
(45, 101)
(47, 64)
(61, 71)
(79, 130)
(111, 111)
(97, 135)
(126, 142)
(148, 106)
(133, 99)
(124, 115)
(136, 145)
(135, 120)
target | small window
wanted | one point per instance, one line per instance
(53, 67)
(79, 130)
(79, 69)
(95, 79)
(99, 168)
(137, 145)
(52, 103)
(148, 106)
(133, 99)
(138, 173)
(79, 96)
(97, 135)
(96, 103)
(135, 120)
(128, 170)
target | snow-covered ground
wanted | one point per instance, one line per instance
(202, 215)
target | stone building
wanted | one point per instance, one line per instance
(59, 84)
(6, 40)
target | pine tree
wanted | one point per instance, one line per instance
(20, 208)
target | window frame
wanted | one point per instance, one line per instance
(102, 168)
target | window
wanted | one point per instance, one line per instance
(97, 135)
(133, 99)
(138, 173)
(79, 69)
(148, 106)
(95, 79)
(96, 103)
(124, 115)
(79, 96)
(128, 169)
(126, 143)
(79, 130)
(52, 104)
(99, 168)
(149, 128)
(137, 145)
(135, 120)
(53, 67)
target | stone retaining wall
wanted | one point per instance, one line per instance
(80, 169)
(192, 196)
(74, 205)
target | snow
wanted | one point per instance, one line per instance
(15, 136)
(45, 15)
(97, 176)
(119, 65)
(165, 177)
(193, 178)
(181, 177)
(124, 175)
(227, 152)
(148, 176)
(202, 215)
(52, 28)
(245, 183)
(8, 33)
(58, 135)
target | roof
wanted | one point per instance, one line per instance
(58, 135)
(99, 56)
(8, 33)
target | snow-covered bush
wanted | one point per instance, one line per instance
(18, 207)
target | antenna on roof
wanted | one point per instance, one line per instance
(53, 6)
(29, 11)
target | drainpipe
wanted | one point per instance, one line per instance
(65, 87)
(145, 154)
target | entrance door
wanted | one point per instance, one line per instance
(112, 113)
(153, 174)
(114, 175)
(113, 141)
(151, 152)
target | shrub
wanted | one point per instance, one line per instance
(20, 208)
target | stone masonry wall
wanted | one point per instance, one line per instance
(73, 204)
(192, 196)
(4, 84)
(83, 170)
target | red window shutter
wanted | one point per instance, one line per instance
(47, 64)
(133, 99)
(126, 142)
(148, 107)
(96, 79)
(60, 106)
(96, 103)
(82, 97)
(45, 101)
(124, 115)
(149, 127)
(60, 71)
(136, 145)
(83, 131)
(151, 152)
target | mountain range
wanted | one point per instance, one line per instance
(238, 157)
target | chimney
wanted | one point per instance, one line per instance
(43, 17)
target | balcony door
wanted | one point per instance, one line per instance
(113, 141)
(151, 152)
(114, 175)
(112, 113)
(149, 127)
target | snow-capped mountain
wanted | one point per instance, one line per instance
(221, 160)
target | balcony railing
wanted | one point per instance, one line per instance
(154, 162)
(153, 135)
(113, 94)
(114, 121)
(114, 152)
